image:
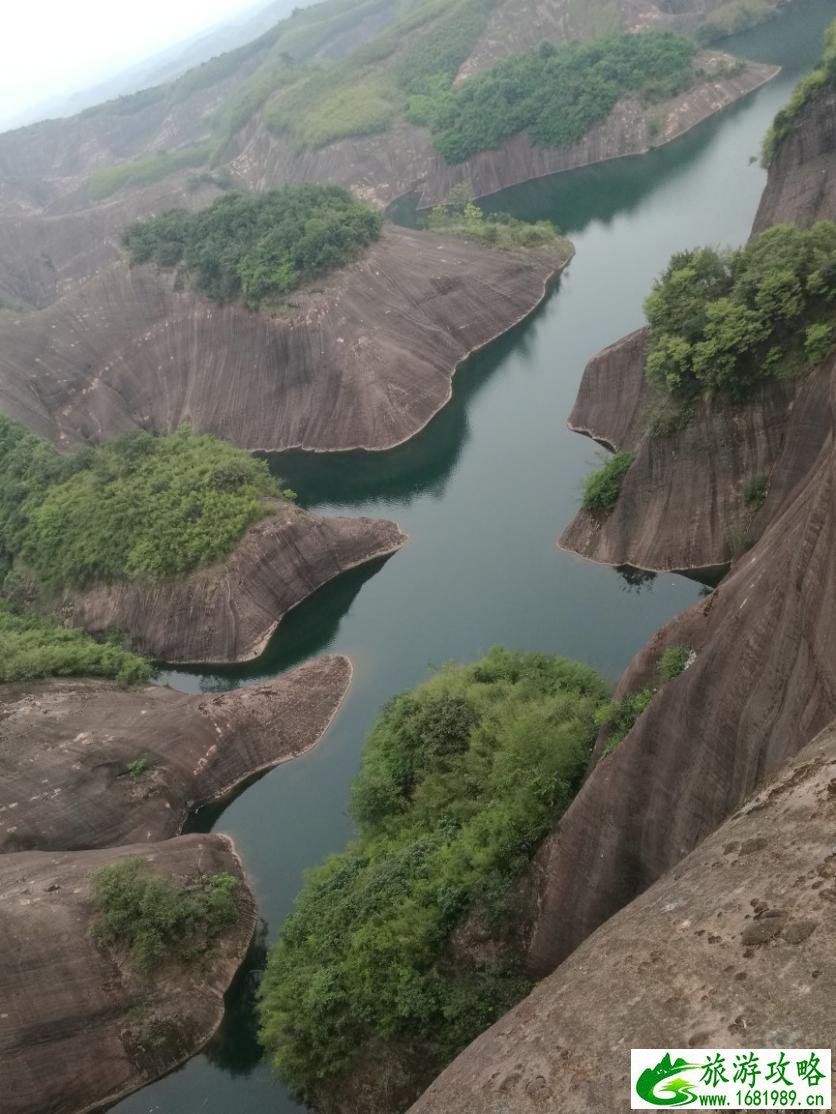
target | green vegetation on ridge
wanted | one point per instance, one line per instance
(142, 506)
(601, 489)
(34, 647)
(258, 246)
(461, 217)
(725, 322)
(556, 94)
(823, 77)
(154, 919)
(461, 780)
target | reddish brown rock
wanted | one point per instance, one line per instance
(801, 186)
(362, 359)
(78, 1026)
(228, 612)
(735, 947)
(66, 749)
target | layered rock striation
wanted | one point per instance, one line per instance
(79, 1027)
(735, 947)
(86, 764)
(362, 360)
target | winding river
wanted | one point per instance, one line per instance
(482, 493)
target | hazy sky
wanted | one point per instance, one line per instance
(53, 46)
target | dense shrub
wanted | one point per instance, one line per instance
(260, 246)
(153, 919)
(728, 321)
(673, 661)
(555, 93)
(460, 781)
(34, 647)
(602, 488)
(142, 506)
(823, 77)
(463, 218)
(754, 492)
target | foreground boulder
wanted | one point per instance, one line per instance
(79, 1026)
(86, 764)
(736, 947)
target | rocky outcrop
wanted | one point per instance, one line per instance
(682, 505)
(737, 946)
(802, 186)
(763, 680)
(362, 360)
(228, 612)
(67, 749)
(79, 1027)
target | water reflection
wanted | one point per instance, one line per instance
(424, 465)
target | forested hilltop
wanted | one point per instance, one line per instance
(139, 508)
(402, 948)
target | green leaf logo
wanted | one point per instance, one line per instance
(652, 1086)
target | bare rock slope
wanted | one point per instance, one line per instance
(78, 1027)
(362, 361)
(736, 947)
(763, 680)
(66, 748)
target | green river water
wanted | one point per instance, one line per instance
(483, 494)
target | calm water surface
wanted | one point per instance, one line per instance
(483, 494)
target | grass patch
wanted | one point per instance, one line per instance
(153, 919)
(145, 171)
(461, 779)
(255, 247)
(602, 489)
(34, 648)
(673, 661)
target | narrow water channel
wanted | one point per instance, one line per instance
(483, 494)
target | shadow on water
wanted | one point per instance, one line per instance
(424, 465)
(235, 1047)
(303, 633)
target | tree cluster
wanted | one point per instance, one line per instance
(727, 321)
(253, 247)
(460, 781)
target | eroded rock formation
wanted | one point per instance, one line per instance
(228, 612)
(737, 946)
(78, 1027)
(85, 764)
(363, 359)
(763, 680)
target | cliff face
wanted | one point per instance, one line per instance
(735, 947)
(78, 1027)
(65, 749)
(802, 187)
(227, 612)
(682, 505)
(362, 360)
(763, 682)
